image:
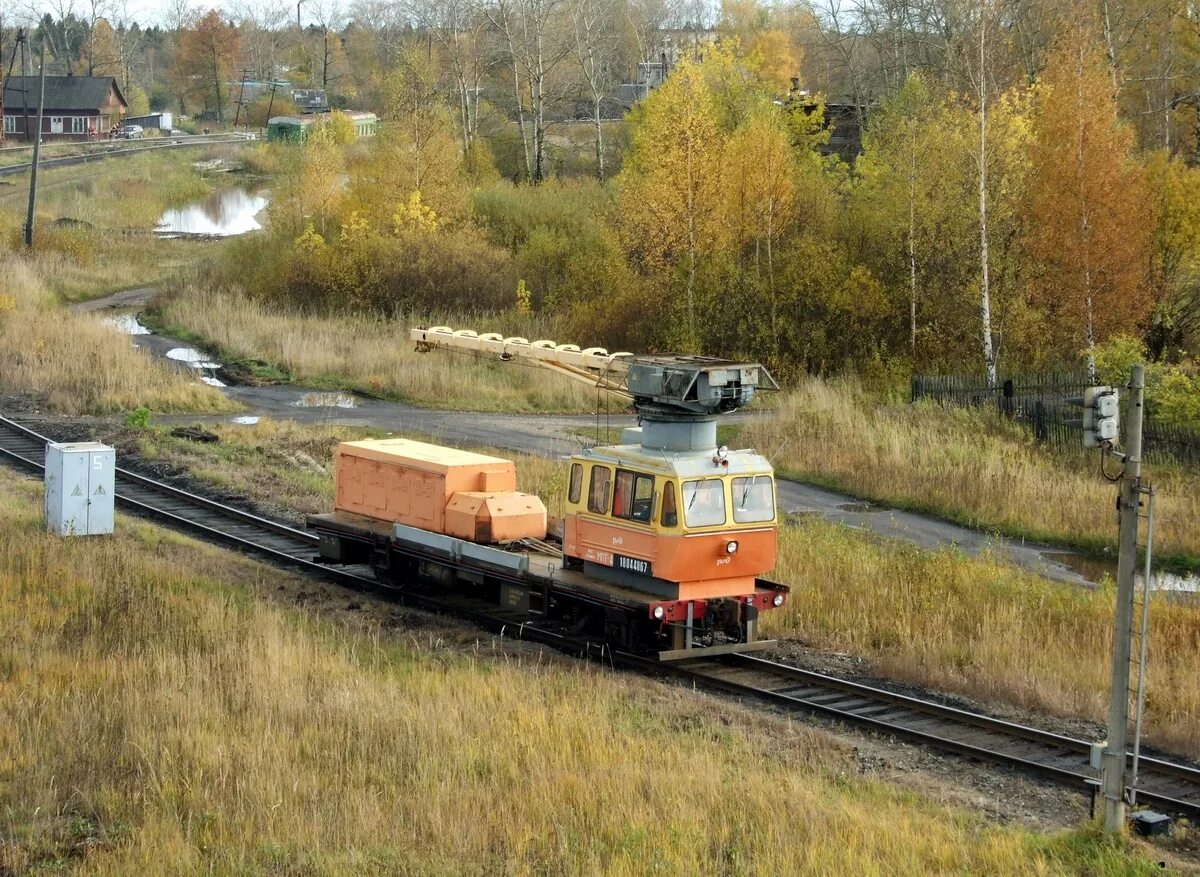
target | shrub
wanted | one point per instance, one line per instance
(365, 269)
(138, 418)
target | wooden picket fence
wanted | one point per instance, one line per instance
(1039, 402)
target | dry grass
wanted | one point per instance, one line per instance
(963, 465)
(365, 353)
(92, 235)
(76, 364)
(939, 619)
(981, 628)
(159, 719)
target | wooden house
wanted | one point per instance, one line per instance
(76, 107)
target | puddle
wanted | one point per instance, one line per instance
(198, 360)
(225, 213)
(859, 506)
(326, 400)
(246, 420)
(191, 356)
(126, 324)
(1096, 569)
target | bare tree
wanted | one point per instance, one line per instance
(503, 17)
(841, 49)
(330, 17)
(263, 25)
(458, 27)
(542, 45)
(61, 28)
(595, 44)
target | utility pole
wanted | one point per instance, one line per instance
(25, 85)
(37, 151)
(246, 71)
(271, 102)
(18, 40)
(1118, 707)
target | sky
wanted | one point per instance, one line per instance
(144, 12)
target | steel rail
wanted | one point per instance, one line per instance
(100, 154)
(1170, 785)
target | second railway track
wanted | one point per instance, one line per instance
(1165, 784)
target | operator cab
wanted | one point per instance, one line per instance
(667, 511)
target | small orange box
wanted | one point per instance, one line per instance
(410, 482)
(495, 517)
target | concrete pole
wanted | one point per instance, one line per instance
(1118, 707)
(37, 152)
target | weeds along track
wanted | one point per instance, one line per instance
(108, 150)
(1168, 785)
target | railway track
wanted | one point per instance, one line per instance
(1164, 784)
(109, 151)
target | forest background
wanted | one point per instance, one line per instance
(1027, 195)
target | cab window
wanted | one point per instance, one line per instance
(598, 491)
(670, 513)
(753, 499)
(633, 498)
(576, 482)
(704, 502)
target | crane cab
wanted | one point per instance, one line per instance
(679, 526)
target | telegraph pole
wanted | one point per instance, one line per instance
(1118, 707)
(37, 151)
(246, 71)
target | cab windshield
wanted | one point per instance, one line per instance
(704, 503)
(753, 499)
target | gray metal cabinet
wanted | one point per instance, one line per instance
(80, 487)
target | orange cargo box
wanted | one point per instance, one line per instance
(507, 516)
(410, 482)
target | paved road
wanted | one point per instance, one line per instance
(555, 436)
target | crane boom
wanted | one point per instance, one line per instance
(664, 387)
(591, 365)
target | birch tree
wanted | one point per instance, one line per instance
(595, 44)
(671, 187)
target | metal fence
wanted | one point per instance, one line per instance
(1038, 401)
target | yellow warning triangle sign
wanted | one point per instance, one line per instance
(76, 491)
(99, 491)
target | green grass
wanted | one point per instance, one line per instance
(166, 711)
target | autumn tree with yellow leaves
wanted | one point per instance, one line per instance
(416, 149)
(671, 196)
(1087, 217)
(759, 196)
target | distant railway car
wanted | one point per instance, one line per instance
(365, 124)
(289, 129)
(662, 547)
(295, 129)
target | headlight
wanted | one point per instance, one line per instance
(731, 547)
(659, 612)
(777, 600)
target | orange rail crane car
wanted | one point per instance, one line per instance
(665, 537)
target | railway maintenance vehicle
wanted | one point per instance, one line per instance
(664, 540)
